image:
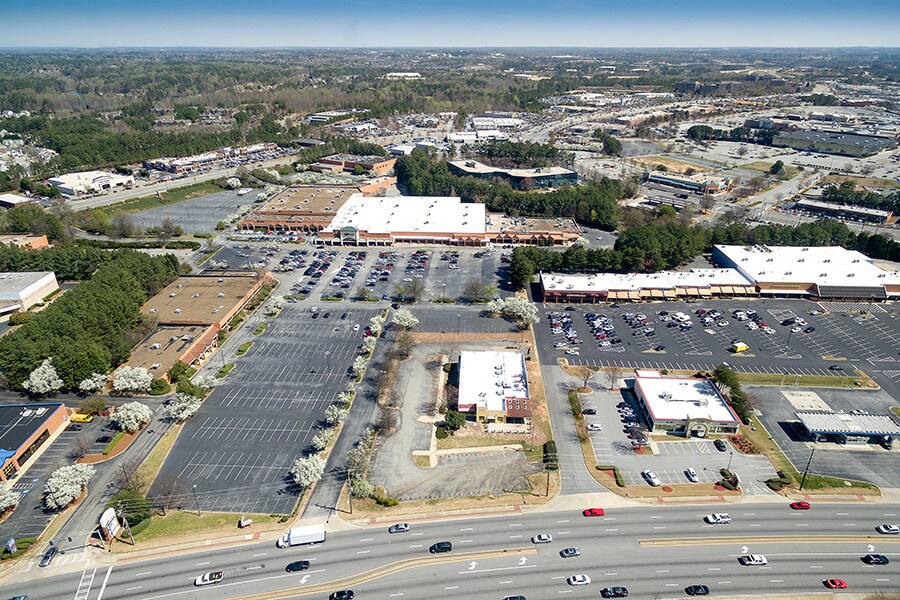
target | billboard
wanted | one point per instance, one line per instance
(109, 523)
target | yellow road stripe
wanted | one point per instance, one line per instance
(791, 539)
(386, 570)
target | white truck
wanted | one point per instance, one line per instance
(296, 536)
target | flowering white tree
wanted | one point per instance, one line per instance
(232, 183)
(376, 324)
(520, 309)
(129, 417)
(321, 439)
(368, 345)
(8, 499)
(359, 366)
(345, 397)
(132, 379)
(581, 242)
(43, 380)
(205, 382)
(405, 318)
(307, 471)
(66, 484)
(275, 304)
(335, 413)
(182, 407)
(94, 383)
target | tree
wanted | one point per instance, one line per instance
(321, 439)
(376, 325)
(519, 309)
(128, 476)
(404, 318)
(307, 471)
(168, 229)
(121, 226)
(130, 416)
(404, 343)
(584, 373)
(454, 420)
(80, 446)
(92, 405)
(664, 210)
(94, 383)
(335, 413)
(232, 183)
(368, 345)
(613, 375)
(8, 499)
(415, 289)
(43, 380)
(132, 379)
(477, 290)
(65, 485)
(742, 151)
(776, 168)
(359, 366)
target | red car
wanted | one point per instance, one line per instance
(593, 512)
(835, 584)
(800, 505)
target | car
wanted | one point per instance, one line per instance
(614, 592)
(800, 505)
(104, 439)
(542, 538)
(314, 309)
(209, 578)
(589, 410)
(717, 518)
(660, 348)
(578, 580)
(399, 528)
(441, 548)
(720, 445)
(835, 584)
(875, 559)
(691, 474)
(572, 352)
(19, 598)
(297, 565)
(836, 368)
(696, 590)
(753, 560)
(594, 427)
(341, 595)
(514, 598)
(796, 329)
(809, 330)
(651, 478)
(75, 427)
(593, 512)
(570, 552)
(47, 558)
(887, 529)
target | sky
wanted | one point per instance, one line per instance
(436, 23)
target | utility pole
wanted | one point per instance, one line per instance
(197, 500)
(806, 471)
(125, 522)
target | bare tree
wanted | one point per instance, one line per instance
(169, 490)
(585, 374)
(80, 446)
(387, 421)
(415, 289)
(613, 375)
(404, 344)
(127, 477)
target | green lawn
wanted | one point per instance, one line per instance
(224, 371)
(764, 166)
(260, 328)
(242, 349)
(802, 380)
(184, 523)
(170, 197)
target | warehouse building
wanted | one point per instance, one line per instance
(843, 428)
(493, 387)
(523, 179)
(833, 142)
(21, 291)
(689, 407)
(13, 200)
(846, 212)
(636, 287)
(813, 272)
(700, 183)
(348, 162)
(24, 428)
(90, 182)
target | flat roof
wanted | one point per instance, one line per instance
(358, 159)
(823, 265)
(18, 422)
(867, 142)
(491, 378)
(12, 284)
(665, 280)
(199, 299)
(413, 214)
(303, 198)
(173, 341)
(830, 422)
(13, 199)
(678, 399)
(699, 178)
(862, 210)
(86, 177)
(500, 222)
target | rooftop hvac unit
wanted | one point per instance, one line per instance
(177, 311)
(221, 280)
(154, 366)
(172, 295)
(174, 338)
(40, 411)
(152, 310)
(195, 296)
(221, 294)
(155, 346)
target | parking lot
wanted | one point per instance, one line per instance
(238, 449)
(197, 215)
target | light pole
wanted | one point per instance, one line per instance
(806, 470)
(730, 456)
(197, 500)
(458, 317)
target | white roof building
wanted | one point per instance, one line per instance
(11, 200)
(20, 291)
(493, 384)
(679, 402)
(418, 215)
(89, 182)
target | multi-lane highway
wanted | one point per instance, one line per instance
(654, 551)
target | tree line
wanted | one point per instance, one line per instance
(594, 204)
(702, 133)
(523, 154)
(667, 244)
(91, 328)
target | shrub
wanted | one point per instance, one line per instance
(159, 387)
(20, 318)
(550, 451)
(112, 444)
(384, 500)
(620, 481)
(441, 433)
(447, 367)
(728, 485)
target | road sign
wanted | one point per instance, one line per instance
(11, 546)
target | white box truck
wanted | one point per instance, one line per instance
(296, 536)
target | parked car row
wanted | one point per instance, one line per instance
(353, 262)
(602, 329)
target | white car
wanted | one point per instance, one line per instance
(651, 478)
(594, 427)
(578, 580)
(572, 352)
(692, 475)
(754, 560)
(888, 529)
(559, 345)
(314, 309)
(453, 267)
(209, 578)
(796, 329)
(356, 327)
(604, 344)
(542, 538)
(752, 326)
(717, 518)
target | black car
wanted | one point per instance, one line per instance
(341, 595)
(720, 445)
(441, 547)
(297, 565)
(104, 439)
(836, 368)
(74, 427)
(697, 590)
(48, 556)
(875, 559)
(614, 592)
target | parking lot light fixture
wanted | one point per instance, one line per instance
(730, 457)
(196, 500)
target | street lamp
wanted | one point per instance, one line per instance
(197, 500)
(730, 456)
(458, 317)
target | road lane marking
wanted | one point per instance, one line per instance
(563, 521)
(363, 551)
(103, 587)
(663, 571)
(722, 582)
(144, 573)
(508, 581)
(260, 554)
(776, 581)
(366, 540)
(714, 569)
(512, 537)
(563, 532)
(465, 541)
(417, 545)
(395, 595)
(515, 525)
(137, 587)
(452, 587)
(201, 564)
(467, 529)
